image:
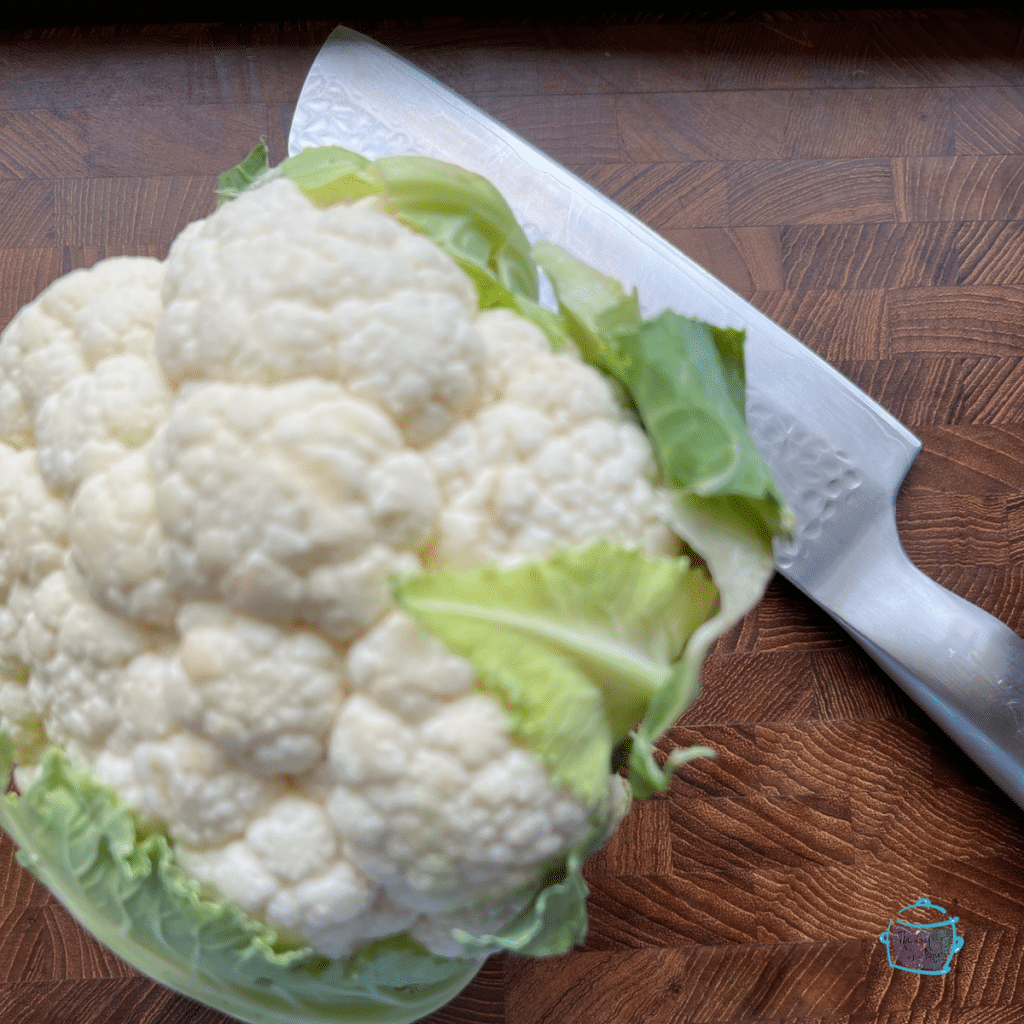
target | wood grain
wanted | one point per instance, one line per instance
(859, 176)
(982, 320)
(129, 211)
(746, 259)
(676, 195)
(43, 143)
(959, 188)
(885, 254)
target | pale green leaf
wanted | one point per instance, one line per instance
(741, 563)
(125, 887)
(686, 379)
(575, 645)
(233, 182)
(330, 175)
(594, 309)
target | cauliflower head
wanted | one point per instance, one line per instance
(345, 589)
(211, 468)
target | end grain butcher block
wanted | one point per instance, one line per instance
(859, 176)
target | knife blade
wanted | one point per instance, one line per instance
(838, 456)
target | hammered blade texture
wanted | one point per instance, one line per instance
(816, 477)
(330, 114)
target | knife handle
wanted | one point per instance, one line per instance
(962, 665)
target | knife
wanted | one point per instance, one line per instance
(837, 455)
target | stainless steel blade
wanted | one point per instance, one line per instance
(838, 456)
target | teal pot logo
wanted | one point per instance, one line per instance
(922, 948)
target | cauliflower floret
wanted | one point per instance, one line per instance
(404, 669)
(33, 524)
(511, 344)
(292, 502)
(16, 426)
(317, 904)
(428, 816)
(97, 418)
(117, 544)
(272, 836)
(341, 936)
(337, 909)
(265, 695)
(81, 319)
(190, 783)
(68, 654)
(234, 871)
(13, 615)
(550, 461)
(280, 289)
(153, 697)
(446, 809)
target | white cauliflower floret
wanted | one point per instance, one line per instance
(234, 871)
(280, 290)
(153, 697)
(340, 936)
(193, 785)
(40, 354)
(209, 469)
(273, 837)
(97, 418)
(429, 822)
(76, 652)
(292, 502)
(318, 903)
(550, 461)
(403, 668)
(265, 695)
(80, 320)
(337, 909)
(441, 809)
(13, 615)
(33, 523)
(16, 426)
(512, 343)
(117, 544)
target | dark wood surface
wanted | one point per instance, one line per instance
(859, 177)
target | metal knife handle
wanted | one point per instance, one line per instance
(962, 665)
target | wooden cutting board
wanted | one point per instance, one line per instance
(859, 177)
